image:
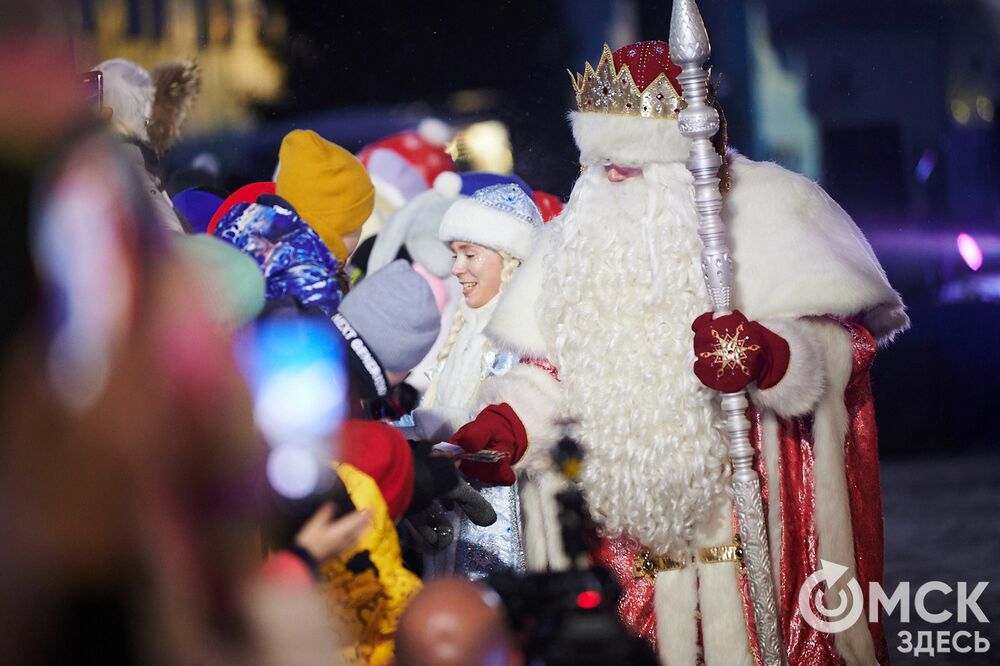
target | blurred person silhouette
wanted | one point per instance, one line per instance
(127, 435)
(147, 112)
(120, 413)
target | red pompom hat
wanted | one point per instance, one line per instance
(405, 164)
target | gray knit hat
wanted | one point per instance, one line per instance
(394, 312)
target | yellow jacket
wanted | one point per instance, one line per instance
(367, 587)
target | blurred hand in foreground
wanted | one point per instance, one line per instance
(325, 538)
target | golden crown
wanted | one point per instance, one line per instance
(615, 92)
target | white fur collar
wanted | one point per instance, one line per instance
(797, 253)
(514, 325)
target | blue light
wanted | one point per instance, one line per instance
(297, 375)
(925, 166)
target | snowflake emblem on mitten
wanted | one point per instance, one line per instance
(730, 351)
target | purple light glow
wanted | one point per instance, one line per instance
(969, 249)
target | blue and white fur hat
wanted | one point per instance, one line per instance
(500, 217)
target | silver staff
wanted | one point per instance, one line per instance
(690, 48)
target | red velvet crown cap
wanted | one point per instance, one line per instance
(646, 61)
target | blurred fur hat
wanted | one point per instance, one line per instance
(150, 107)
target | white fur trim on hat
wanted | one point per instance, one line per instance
(466, 220)
(605, 138)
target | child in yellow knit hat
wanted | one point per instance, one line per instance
(328, 187)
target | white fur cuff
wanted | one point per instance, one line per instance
(800, 389)
(536, 398)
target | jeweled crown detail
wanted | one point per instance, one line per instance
(607, 89)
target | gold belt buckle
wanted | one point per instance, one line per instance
(646, 565)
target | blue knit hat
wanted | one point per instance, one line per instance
(501, 217)
(472, 181)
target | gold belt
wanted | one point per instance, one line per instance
(647, 565)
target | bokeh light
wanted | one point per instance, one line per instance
(972, 255)
(293, 471)
(984, 107)
(960, 111)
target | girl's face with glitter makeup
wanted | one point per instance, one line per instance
(478, 270)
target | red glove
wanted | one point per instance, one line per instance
(731, 352)
(496, 428)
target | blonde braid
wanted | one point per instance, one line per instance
(456, 326)
(510, 265)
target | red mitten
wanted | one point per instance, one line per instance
(731, 352)
(497, 428)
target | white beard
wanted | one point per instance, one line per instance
(625, 285)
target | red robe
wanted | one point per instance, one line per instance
(803, 644)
